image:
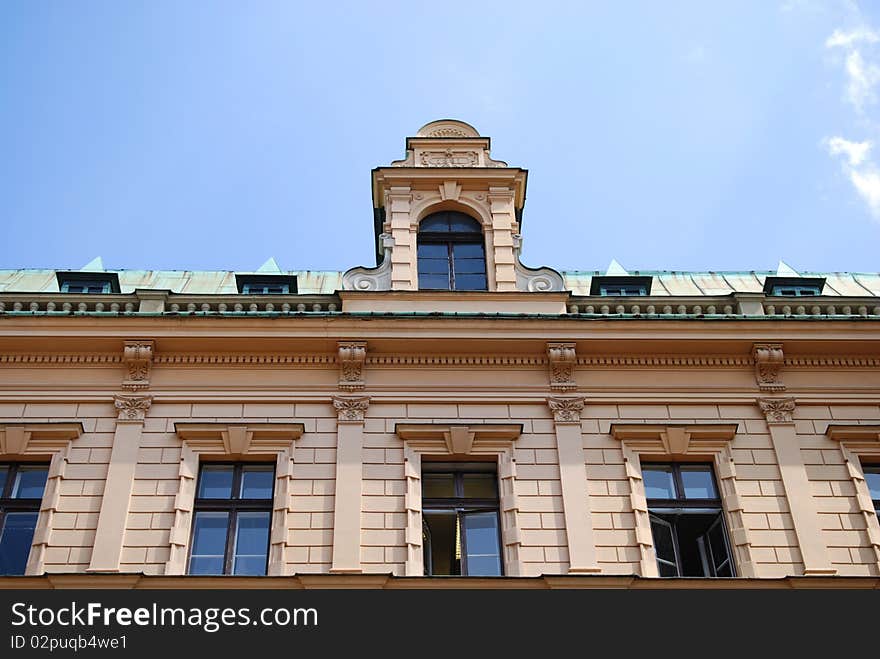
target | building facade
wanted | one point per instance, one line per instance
(448, 413)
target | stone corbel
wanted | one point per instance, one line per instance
(562, 358)
(351, 409)
(352, 355)
(777, 410)
(768, 366)
(138, 358)
(362, 278)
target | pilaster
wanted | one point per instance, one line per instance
(349, 479)
(573, 480)
(804, 513)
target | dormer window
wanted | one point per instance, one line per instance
(621, 291)
(452, 256)
(620, 286)
(87, 283)
(266, 284)
(794, 286)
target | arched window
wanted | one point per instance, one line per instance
(451, 253)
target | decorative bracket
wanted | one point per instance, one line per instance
(777, 410)
(138, 358)
(352, 355)
(562, 360)
(768, 366)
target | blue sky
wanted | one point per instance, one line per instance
(212, 135)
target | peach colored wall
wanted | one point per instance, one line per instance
(448, 394)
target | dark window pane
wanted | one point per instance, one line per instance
(215, 482)
(251, 543)
(437, 223)
(437, 486)
(481, 543)
(658, 482)
(209, 543)
(433, 250)
(461, 223)
(480, 486)
(664, 544)
(433, 266)
(470, 283)
(257, 481)
(872, 478)
(30, 482)
(434, 282)
(470, 267)
(15, 541)
(74, 288)
(4, 473)
(468, 250)
(441, 534)
(667, 569)
(698, 482)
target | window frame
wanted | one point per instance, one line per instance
(872, 468)
(461, 505)
(233, 506)
(10, 504)
(256, 284)
(681, 505)
(108, 281)
(449, 240)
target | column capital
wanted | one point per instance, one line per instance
(132, 408)
(777, 410)
(351, 409)
(566, 409)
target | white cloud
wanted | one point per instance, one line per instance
(855, 152)
(861, 79)
(861, 171)
(867, 183)
(842, 39)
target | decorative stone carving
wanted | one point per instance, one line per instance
(138, 358)
(351, 362)
(567, 409)
(371, 279)
(768, 366)
(534, 280)
(449, 158)
(132, 408)
(562, 361)
(351, 409)
(777, 410)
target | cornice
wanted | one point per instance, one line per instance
(36, 438)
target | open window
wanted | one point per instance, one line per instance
(687, 520)
(461, 527)
(21, 491)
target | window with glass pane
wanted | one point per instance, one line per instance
(451, 253)
(461, 526)
(21, 490)
(872, 479)
(231, 519)
(687, 520)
